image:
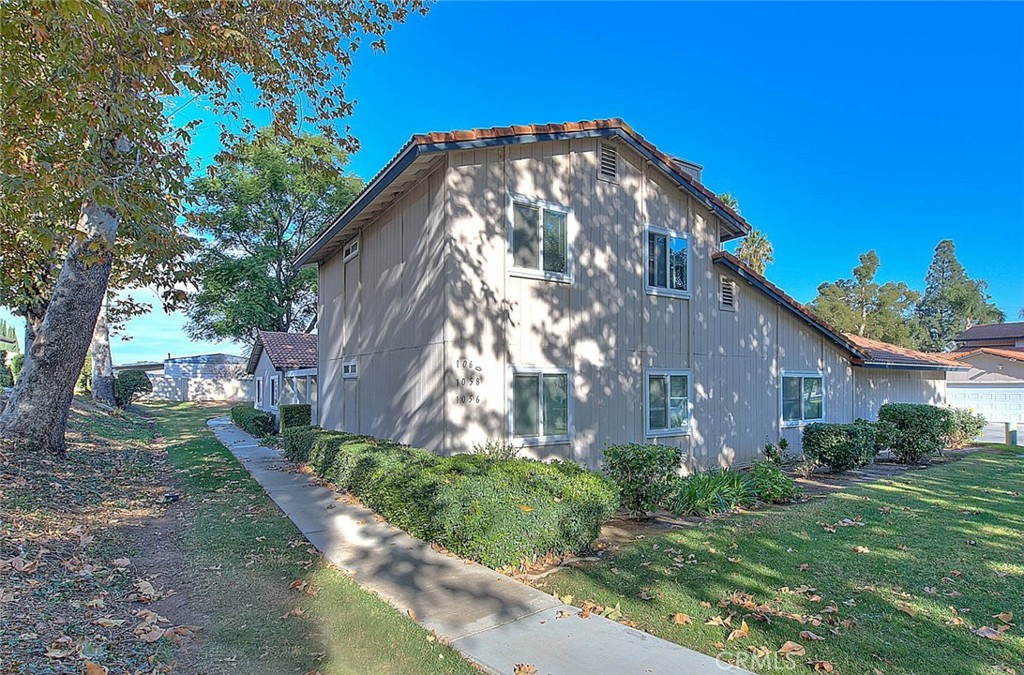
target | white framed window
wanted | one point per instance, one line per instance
(668, 262)
(540, 405)
(539, 239)
(726, 293)
(275, 391)
(349, 369)
(802, 398)
(667, 407)
(259, 391)
(351, 250)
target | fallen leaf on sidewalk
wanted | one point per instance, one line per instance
(525, 669)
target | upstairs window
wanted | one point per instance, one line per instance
(803, 398)
(349, 369)
(539, 240)
(351, 250)
(540, 405)
(668, 402)
(608, 164)
(667, 262)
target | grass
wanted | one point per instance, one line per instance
(943, 545)
(244, 553)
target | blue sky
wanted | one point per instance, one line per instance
(840, 127)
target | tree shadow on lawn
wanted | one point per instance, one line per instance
(920, 571)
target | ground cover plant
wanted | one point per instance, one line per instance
(920, 573)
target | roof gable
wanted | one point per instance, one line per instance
(286, 351)
(415, 158)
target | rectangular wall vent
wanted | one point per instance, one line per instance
(609, 162)
(728, 293)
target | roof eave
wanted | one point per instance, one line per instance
(885, 365)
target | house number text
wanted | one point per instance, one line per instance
(467, 378)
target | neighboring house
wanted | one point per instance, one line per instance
(994, 385)
(203, 377)
(564, 287)
(284, 371)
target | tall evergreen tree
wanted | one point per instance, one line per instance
(952, 301)
(862, 306)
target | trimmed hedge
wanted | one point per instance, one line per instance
(646, 474)
(966, 427)
(840, 447)
(297, 442)
(499, 512)
(919, 429)
(296, 415)
(256, 422)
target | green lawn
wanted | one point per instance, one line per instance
(244, 554)
(942, 545)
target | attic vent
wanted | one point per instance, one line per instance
(727, 293)
(609, 162)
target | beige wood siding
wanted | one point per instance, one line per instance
(989, 369)
(385, 309)
(876, 387)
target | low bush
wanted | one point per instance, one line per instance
(704, 494)
(496, 449)
(129, 386)
(645, 474)
(17, 363)
(296, 415)
(840, 447)
(297, 442)
(256, 422)
(776, 454)
(918, 429)
(966, 427)
(498, 511)
(770, 485)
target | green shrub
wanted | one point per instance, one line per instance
(17, 363)
(6, 375)
(497, 511)
(645, 474)
(129, 386)
(297, 442)
(296, 415)
(966, 427)
(717, 491)
(918, 429)
(496, 449)
(256, 422)
(769, 484)
(840, 447)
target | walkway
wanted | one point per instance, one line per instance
(492, 619)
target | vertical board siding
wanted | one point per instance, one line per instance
(876, 387)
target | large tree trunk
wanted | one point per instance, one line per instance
(102, 362)
(37, 413)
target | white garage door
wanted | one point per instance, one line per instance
(998, 403)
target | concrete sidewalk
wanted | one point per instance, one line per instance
(492, 619)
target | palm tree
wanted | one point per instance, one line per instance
(756, 251)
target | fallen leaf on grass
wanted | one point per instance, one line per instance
(681, 619)
(741, 632)
(955, 621)
(718, 621)
(108, 623)
(988, 633)
(94, 669)
(120, 562)
(790, 648)
(19, 564)
(861, 549)
(808, 635)
(152, 635)
(61, 648)
(907, 609)
(525, 669)
(645, 595)
(760, 652)
(705, 604)
(804, 567)
(296, 611)
(821, 666)
(411, 613)
(1005, 617)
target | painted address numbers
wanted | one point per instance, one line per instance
(468, 376)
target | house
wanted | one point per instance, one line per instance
(201, 377)
(994, 383)
(284, 371)
(566, 286)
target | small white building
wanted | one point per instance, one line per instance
(284, 369)
(202, 377)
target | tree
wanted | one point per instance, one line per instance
(862, 306)
(756, 251)
(260, 205)
(952, 301)
(91, 153)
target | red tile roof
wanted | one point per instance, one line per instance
(1015, 354)
(883, 352)
(863, 351)
(286, 351)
